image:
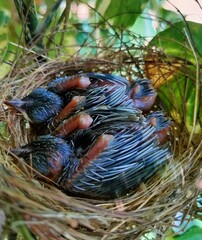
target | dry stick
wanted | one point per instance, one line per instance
(28, 50)
(114, 229)
(197, 85)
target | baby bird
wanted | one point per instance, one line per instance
(106, 161)
(47, 155)
(161, 124)
(39, 106)
(65, 96)
(139, 93)
(142, 94)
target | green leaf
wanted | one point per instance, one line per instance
(99, 3)
(195, 30)
(176, 45)
(162, 14)
(124, 13)
(174, 42)
(175, 90)
(183, 90)
(193, 233)
(5, 56)
(4, 17)
(169, 16)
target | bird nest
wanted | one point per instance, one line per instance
(36, 208)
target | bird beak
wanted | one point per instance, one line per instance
(20, 151)
(17, 151)
(17, 104)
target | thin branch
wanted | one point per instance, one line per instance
(199, 4)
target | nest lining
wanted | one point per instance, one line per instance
(50, 214)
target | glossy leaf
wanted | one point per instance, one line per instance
(4, 17)
(169, 16)
(176, 45)
(193, 233)
(123, 13)
(183, 90)
(174, 42)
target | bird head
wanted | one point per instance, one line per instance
(39, 106)
(47, 155)
(143, 94)
(161, 124)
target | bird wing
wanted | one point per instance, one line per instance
(131, 158)
(108, 77)
(99, 96)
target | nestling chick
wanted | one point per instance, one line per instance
(39, 106)
(106, 161)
